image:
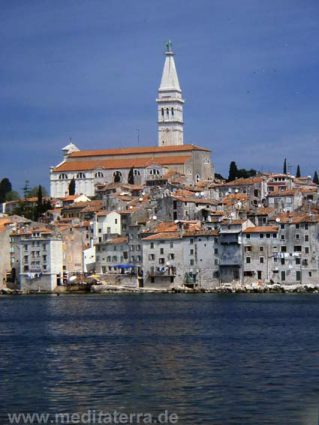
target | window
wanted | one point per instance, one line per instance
(162, 251)
(161, 260)
(152, 245)
(115, 221)
(248, 248)
(297, 226)
(248, 260)
(172, 110)
(283, 276)
(171, 245)
(282, 226)
(261, 260)
(80, 176)
(297, 236)
(282, 260)
(297, 248)
(298, 261)
(283, 248)
(298, 275)
(63, 176)
(191, 262)
(171, 256)
(98, 174)
(191, 252)
(261, 235)
(261, 248)
(162, 112)
(306, 238)
(191, 241)
(307, 250)
(247, 236)
(216, 251)
(282, 237)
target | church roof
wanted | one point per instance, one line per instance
(126, 163)
(137, 150)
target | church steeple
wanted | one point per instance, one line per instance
(170, 104)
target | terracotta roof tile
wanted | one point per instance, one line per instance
(125, 163)
(137, 150)
(261, 229)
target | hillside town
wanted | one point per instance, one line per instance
(158, 218)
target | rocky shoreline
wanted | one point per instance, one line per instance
(222, 289)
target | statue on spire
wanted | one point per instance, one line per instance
(169, 46)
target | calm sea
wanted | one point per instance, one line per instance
(210, 359)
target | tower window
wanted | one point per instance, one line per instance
(162, 112)
(172, 111)
(167, 111)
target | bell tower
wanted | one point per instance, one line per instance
(170, 104)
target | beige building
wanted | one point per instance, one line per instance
(91, 167)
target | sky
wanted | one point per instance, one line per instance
(89, 70)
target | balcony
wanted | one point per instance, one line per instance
(230, 260)
(162, 271)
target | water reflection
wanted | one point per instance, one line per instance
(211, 359)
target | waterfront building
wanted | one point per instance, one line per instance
(37, 258)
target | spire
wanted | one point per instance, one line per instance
(169, 77)
(170, 104)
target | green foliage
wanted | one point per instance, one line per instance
(130, 178)
(5, 187)
(285, 166)
(298, 173)
(233, 170)
(117, 177)
(72, 187)
(26, 189)
(219, 176)
(34, 191)
(33, 210)
(235, 173)
(12, 196)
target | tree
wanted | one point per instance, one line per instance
(219, 176)
(117, 177)
(315, 178)
(298, 173)
(12, 196)
(26, 189)
(72, 187)
(233, 170)
(5, 187)
(130, 178)
(33, 192)
(285, 166)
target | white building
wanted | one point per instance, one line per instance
(37, 258)
(91, 167)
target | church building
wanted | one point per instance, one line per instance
(91, 167)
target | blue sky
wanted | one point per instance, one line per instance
(90, 70)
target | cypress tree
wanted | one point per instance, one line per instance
(315, 178)
(233, 171)
(72, 187)
(298, 173)
(285, 166)
(130, 177)
(5, 187)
